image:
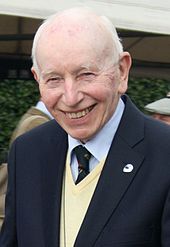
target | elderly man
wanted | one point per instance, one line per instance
(160, 109)
(99, 173)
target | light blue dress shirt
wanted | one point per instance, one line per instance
(100, 144)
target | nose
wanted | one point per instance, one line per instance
(72, 93)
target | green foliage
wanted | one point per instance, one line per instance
(144, 91)
(17, 96)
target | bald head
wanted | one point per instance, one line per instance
(70, 27)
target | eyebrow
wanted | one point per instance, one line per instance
(87, 67)
(47, 74)
(76, 71)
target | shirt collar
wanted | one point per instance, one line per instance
(103, 138)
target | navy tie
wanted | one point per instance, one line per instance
(83, 157)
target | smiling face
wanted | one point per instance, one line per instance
(77, 80)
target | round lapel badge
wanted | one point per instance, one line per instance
(128, 168)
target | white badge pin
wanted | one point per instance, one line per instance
(128, 168)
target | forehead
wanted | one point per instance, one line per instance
(74, 23)
(67, 33)
(73, 43)
(72, 26)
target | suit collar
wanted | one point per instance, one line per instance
(131, 128)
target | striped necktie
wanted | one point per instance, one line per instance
(83, 156)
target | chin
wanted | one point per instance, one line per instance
(81, 137)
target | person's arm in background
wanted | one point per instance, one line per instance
(28, 124)
(3, 187)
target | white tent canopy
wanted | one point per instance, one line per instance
(144, 27)
(143, 15)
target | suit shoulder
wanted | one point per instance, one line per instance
(157, 133)
(156, 126)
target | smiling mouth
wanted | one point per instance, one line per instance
(80, 114)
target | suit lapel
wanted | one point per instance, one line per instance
(52, 174)
(114, 182)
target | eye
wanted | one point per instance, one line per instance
(86, 76)
(53, 82)
(54, 79)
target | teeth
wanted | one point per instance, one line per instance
(74, 115)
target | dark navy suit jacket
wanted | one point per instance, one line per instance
(127, 209)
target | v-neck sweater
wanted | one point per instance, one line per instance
(75, 202)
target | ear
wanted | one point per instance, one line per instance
(124, 67)
(35, 74)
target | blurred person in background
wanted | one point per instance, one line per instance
(3, 183)
(35, 116)
(160, 109)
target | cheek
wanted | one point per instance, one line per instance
(104, 91)
(49, 97)
(109, 96)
